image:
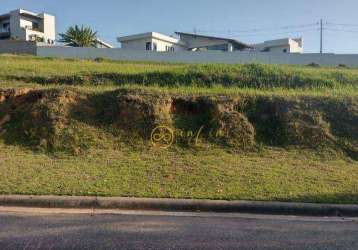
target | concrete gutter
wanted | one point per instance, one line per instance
(181, 205)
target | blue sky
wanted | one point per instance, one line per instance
(247, 20)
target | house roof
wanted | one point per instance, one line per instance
(237, 44)
(26, 13)
(156, 35)
(104, 43)
(4, 17)
(23, 13)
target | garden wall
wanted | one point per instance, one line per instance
(199, 57)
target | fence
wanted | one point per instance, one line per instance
(200, 57)
(17, 47)
(22, 47)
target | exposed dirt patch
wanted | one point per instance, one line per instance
(6, 94)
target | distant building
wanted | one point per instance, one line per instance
(195, 42)
(102, 44)
(27, 26)
(154, 41)
(286, 45)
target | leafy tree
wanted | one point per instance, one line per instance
(77, 36)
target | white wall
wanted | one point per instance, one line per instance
(295, 47)
(30, 33)
(140, 44)
(199, 57)
(161, 45)
(49, 27)
(280, 45)
(26, 22)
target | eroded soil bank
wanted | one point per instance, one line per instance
(69, 120)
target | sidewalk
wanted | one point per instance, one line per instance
(181, 205)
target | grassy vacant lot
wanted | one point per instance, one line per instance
(75, 133)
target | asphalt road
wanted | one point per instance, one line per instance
(135, 230)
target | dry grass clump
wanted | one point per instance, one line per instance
(42, 120)
(235, 130)
(143, 112)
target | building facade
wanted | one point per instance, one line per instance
(27, 26)
(286, 45)
(152, 41)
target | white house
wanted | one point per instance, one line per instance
(152, 41)
(158, 42)
(286, 45)
(27, 26)
(194, 42)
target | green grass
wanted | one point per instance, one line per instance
(273, 174)
(112, 165)
(215, 90)
(43, 71)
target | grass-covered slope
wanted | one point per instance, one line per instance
(60, 120)
(84, 72)
(253, 132)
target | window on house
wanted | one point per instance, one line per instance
(35, 26)
(6, 26)
(155, 47)
(169, 48)
(148, 46)
(284, 50)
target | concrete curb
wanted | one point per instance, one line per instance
(181, 205)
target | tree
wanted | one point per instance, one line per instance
(77, 36)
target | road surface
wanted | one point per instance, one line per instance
(86, 229)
